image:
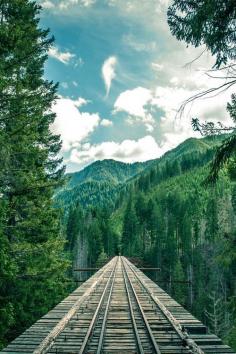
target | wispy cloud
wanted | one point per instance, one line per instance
(108, 72)
(63, 57)
(75, 83)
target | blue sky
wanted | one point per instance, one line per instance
(123, 77)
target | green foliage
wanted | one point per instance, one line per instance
(179, 291)
(130, 237)
(93, 227)
(166, 217)
(209, 22)
(114, 171)
(216, 314)
(32, 260)
(102, 259)
(73, 226)
(172, 221)
(227, 150)
(98, 184)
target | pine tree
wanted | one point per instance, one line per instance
(130, 236)
(94, 235)
(102, 259)
(215, 314)
(30, 230)
(179, 291)
(73, 226)
(208, 22)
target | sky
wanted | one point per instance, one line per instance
(123, 78)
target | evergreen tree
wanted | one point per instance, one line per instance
(94, 235)
(30, 229)
(215, 314)
(102, 259)
(209, 22)
(130, 236)
(179, 291)
(73, 226)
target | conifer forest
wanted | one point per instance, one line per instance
(176, 211)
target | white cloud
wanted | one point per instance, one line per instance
(142, 149)
(140, 103)
(106, 122)
(47, 4)
(65, 4)
(63, 57)
(149, 127)
(73, 126)
(87, 3)
(81, 102)
(134, 103)
(108, 72)
(175, 129)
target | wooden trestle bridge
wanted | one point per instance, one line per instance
(118, 310)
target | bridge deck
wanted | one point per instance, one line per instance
(118, 310)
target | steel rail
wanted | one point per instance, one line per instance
(49, 340)
(187, 342)
(95, 316)
(153, 340)
(137, 337)
(101, 338)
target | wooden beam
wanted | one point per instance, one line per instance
(85, 269)
(150, 269)
(96, 269)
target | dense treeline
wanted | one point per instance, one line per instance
(98, 183)
(32, 261)
(174, 221)
(89, 193)
(187, 231)
(168, 218)
(93, 227)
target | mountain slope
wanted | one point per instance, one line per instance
(97, 184)
(109, 170)
(100, 183)
(187, 155)
(169, 219)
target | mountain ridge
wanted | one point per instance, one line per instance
(99, 183)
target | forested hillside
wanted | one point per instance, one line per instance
(98, 183)
(170, 219)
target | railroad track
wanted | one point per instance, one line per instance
(118, 310)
